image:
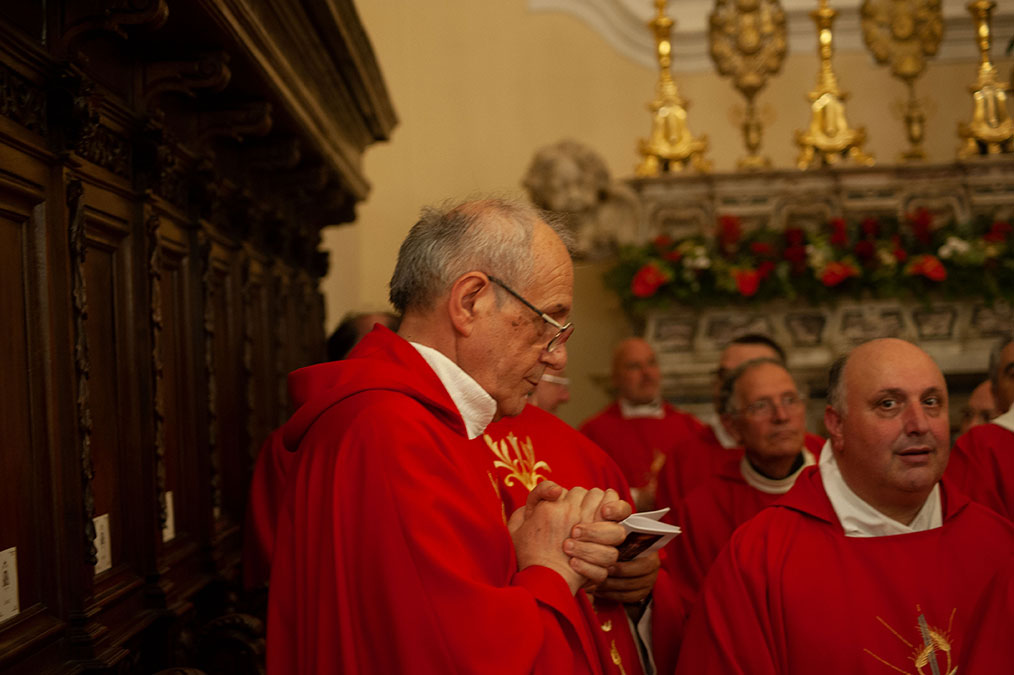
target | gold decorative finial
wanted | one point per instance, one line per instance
(991, 131)
(829, 138)
(902, 35)
(671, 144)
(748, 43)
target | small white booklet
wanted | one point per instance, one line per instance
(646, 533)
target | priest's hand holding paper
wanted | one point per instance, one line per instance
(631, 581)
(543, 531)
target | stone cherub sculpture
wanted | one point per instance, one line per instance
(570, 179)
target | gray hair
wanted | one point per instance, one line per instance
(490, 235)
(729, 383)
(994, 358)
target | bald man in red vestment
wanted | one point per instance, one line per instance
(982, 460)
(394, 553)
(764, 411)
(643, 433)
(870, 563)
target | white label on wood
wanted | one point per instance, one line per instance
(103, 546)
(9, 583)
(169, 530)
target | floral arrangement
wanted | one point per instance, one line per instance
(869, 258)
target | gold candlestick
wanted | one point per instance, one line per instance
(748, 43)
(902, 34)
(991, 131)
(829, 138)
(671, 145)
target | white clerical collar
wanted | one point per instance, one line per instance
(773, 486)
(475, 406)
(859, 519)
(1006, 420)
(630, 410)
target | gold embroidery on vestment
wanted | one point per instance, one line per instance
(522, 466)
(925, 654)
(614, 653)
(496, 489)
(607, 625)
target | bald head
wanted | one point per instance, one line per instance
(888, 423)
(636, 375)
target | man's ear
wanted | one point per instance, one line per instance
(729, 422)
(465, 301)
(833, 423)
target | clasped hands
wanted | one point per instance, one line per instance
(575, 533)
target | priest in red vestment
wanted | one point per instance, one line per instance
(633, 625)
(870, 563)
(764, 411)
(982, 460)
(643, 433)
(991, 649)
(394, 553)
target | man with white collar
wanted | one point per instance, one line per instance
(982, 460)
(639, 430)
(393, 552)
(763, 410)
(869, 563)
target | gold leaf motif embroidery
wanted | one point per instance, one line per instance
(607, 625)
(932, 646)
(522, 466)
(614, 653)
(496, 489)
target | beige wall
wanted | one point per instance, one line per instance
(479, 86)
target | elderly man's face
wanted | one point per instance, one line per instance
(770, 417)
(512, 342)
(1003, 389)
(892, 440)
(735, 355)
(636, 374)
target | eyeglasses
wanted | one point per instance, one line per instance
(763, 409)
(563, 331)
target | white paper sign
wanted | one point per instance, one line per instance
(9, 583)
(169, 530)
(103, 545)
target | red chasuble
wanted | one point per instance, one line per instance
(991, 647)
(792, 594)
(392, 553)
(633, 442)
(267, 488)
(536, 446)
(982, 465)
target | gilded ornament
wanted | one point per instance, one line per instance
(518, 457)
(671, 145)
(748, 44)
(829, 138)
(902, 34)
(991, 130)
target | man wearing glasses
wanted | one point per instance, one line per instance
(764, 412)
(870, 563)
(394, 553)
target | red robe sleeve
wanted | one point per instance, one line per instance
(991, 644)
(399, 561)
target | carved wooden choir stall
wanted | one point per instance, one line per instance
(165, 169)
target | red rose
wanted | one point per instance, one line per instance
(839, 236)
(729, 232)
(796, 255)
(762, 249)
(647, 280)
(900, 254)
(673, 256)
(864, 249)
(663, 241)
(998, 233)
(928, 266)
(921, 222)
(747, 281)
(871, 228)
(765, 268)
(794, 236)
(837, 272)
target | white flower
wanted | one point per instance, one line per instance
(954, 246)
(886, 258)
